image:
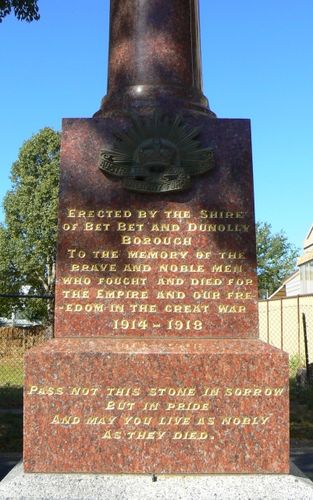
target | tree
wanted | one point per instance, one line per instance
(9, 277)
(26, 10)
(28, 237)
(276, 258)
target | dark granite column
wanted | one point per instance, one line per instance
(154, 58)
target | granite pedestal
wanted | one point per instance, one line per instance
(156, 407)
(20, 486)
(156, 366)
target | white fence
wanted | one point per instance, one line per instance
(281, 323)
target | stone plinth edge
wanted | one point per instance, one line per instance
(150, 346)
(19, 486)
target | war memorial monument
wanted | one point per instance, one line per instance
(156, 379)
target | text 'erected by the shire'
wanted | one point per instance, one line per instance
(150, 270)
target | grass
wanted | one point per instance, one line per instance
(11, 398)
(11, 372)
(11, 383)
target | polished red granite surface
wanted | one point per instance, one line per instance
(154, 56)
(156, 406)
(155, 367)
(151, 265)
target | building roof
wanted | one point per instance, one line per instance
(281, 291)
(307, 255)
(22, 323)
(308, 242)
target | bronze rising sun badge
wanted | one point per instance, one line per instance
(156, 155)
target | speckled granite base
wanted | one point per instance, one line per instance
(19, 486)
(156, 406)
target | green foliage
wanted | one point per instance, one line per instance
(295, 362)
(11, 373)
(9, 275)
(276, 259)
(25, 10)
(28, 238)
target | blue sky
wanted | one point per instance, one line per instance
(257, 64)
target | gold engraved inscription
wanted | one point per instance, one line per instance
(156, 254)
(170, 281)
(171, 391)
(156, 413)
(87, 214)
(157, 240)
(218, 228)
(125, 280)
(227, 309)
(143, 308)
(122, 294)
(218, 214)
(127, 226)
(227, 268)
(262, 420)
(155, 250)
(89, 308)
(45, 391)
(232, 255)
(177, 214)
(187, 308)
(90, 226)
(183, 268)
(105, 254)
(93, 268)
(146, 214)
(165, 228)
(156, 392)
(100, 420)
(75, 294)
(84, 391)
(137, 268)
